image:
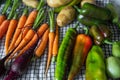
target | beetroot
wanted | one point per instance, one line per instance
(2, 66)
(20, 64)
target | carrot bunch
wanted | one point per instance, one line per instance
(18, 30)
(11, 28)
(24, 25)
(31, 35)
(5, 23)
(53, 41)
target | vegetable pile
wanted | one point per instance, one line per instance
(28, 36)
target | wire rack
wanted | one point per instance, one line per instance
(36, 69)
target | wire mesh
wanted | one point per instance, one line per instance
(36, 69)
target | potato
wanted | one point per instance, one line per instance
(88, 1)
(31, 3)
(57, 3)
(66, 16)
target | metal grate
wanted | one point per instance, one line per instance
(36, 69)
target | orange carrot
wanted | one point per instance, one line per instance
(3, 28)
(3, 15)
(25, 40)
(30, 34)
(55, 44)
(31, 43)
(11, 28)
(5, 24)
(42, 45)
(40, 31)
(23, 43)
(51, 40)
(50, 48)
(2, 18)
(20, 25)
(30, 20)
(29, 23)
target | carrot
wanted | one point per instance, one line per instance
(30, 20)
(5, 24)
(55, 44)
(30, 34)
(11, 28)
(3, 16)
(29, 23)
(51, 40)
(42, 28)
(25, 40)
(3, 28)
(42, 45)
(23, 43)
(40, 31)
(32, 42)
(20, 25)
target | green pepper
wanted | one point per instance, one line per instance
(115, 47)
(95, 64)
(58, 9)
(88, 21)
(94, 11)
(100, 33)
(82, 46)
(64, 53)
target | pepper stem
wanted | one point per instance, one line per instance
(86, 30)
(78, 9)
(76, 26)
(107, 41)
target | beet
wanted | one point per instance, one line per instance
(20, 64)
(2, 66)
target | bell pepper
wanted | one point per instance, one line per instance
(95, 64)
(100, 33)
(88, 21)
(82, 46)
(58, 9)
(94, 11)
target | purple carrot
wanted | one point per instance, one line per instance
(2, 66)
(20, 64)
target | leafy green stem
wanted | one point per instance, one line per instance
(14, 7)
(40, 5)
(7, 4)
(39, 19)
(51, 16)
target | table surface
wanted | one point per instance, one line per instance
(36, 69)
